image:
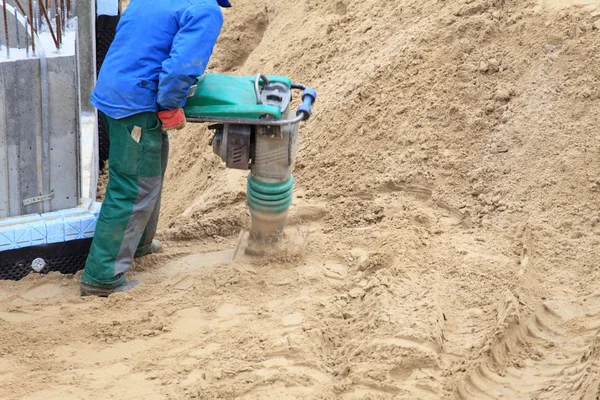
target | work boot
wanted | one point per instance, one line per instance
(103, 291)
(155, 247)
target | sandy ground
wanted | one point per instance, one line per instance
(443, 242)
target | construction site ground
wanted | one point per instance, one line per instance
(443, 242)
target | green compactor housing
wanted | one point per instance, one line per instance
(254, 129)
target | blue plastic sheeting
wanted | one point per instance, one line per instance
(55, 227)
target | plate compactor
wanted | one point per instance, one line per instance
(255, 129)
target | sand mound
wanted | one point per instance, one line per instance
(447, 204)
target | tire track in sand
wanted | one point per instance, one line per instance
(554, 353)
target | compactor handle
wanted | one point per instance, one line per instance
(303, 112)
(308, 98)
(257, 80)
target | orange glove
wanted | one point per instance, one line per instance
(172, 119)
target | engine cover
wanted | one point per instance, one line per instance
(233, 144)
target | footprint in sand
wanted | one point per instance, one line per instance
(44, 291)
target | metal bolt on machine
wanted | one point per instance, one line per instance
(256, 130)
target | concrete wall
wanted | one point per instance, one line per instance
(43, 99)
(86, 57)
(35, 161)
(86, 15)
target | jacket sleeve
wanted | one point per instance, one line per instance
(199, 27)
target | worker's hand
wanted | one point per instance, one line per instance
(172, 119)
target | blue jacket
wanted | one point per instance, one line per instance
(160, 48)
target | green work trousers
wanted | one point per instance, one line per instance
(129, 213)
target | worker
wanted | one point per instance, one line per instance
(160, 48)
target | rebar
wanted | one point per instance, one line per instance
(6, 29)
(38, 10)
(43, 10)
(26, 37)
(17, 27)
(37, 15)
(32, 18)
(27, 20)
(58, 28)
(63, 21)
(20, 6)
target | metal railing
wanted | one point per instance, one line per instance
(40, 16)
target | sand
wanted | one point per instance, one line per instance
(443, 242)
